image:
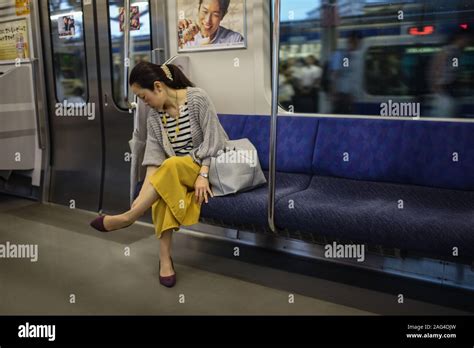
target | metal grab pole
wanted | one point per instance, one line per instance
(273, 126)
(126, 46)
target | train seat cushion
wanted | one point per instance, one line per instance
(417, 153)
(416, 218)
(438, 154)
(296, 139)
(233, 125)
(358, 149)
(250, 208)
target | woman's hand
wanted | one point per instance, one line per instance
(202, 189)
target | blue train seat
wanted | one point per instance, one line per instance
(424, 220)
(398, 184)
(294, 156)
(248, 210)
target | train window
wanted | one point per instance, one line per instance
(398, 70)
(67, 30)
(408, 70)
(353, 56)
(140, 42)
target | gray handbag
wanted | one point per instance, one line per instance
(235, 169)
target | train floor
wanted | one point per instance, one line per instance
(81, 271)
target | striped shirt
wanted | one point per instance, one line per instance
(181, 141)
(206, 130)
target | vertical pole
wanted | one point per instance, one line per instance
(126, 46)
(273, 126)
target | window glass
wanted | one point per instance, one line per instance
(353, 57)
(69, 57)
(405, 70)
(140, 43)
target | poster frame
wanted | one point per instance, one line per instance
(30, 56)
(211, 48)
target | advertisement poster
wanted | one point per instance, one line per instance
(134, 18)
(22, 7)
(211, 24)
(14, 40)
(66, 27)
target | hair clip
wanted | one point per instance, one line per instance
(167, 72)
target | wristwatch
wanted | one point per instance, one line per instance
(204, 175)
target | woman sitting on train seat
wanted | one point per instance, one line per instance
(208, 30)
(184, 132)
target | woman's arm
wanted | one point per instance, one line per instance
(204, 169)
(154, 152)
(214, 140)
(150, 170)
(214, 135)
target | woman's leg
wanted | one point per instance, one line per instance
(144, 201)
(172, 181)
(166, 269)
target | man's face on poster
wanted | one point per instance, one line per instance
(210, 17)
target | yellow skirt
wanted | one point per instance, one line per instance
(174, 182)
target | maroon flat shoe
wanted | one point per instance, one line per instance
(168, 281)
(98, 224)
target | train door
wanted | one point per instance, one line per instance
(122, 46)
(92, 52)
(73, 93)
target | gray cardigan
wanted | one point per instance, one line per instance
(207, 133)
